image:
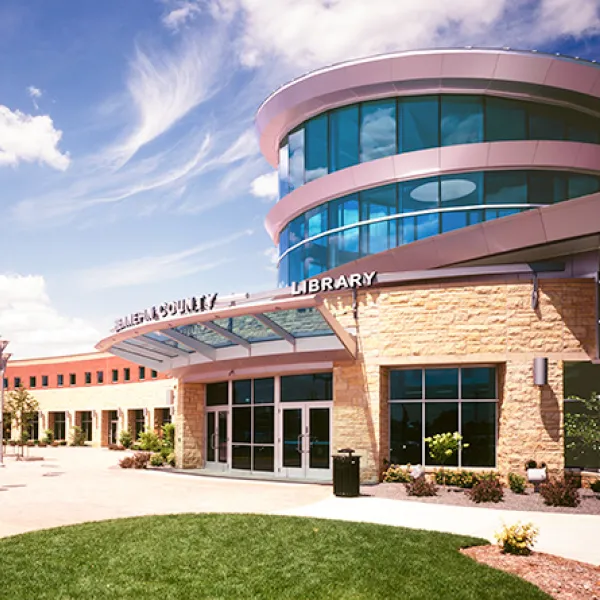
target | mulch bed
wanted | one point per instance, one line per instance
(590, 501)
(560, 578)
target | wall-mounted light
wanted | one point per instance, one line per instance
(540, 371)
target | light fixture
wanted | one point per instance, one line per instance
(540, 371)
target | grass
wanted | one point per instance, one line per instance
(246, 556)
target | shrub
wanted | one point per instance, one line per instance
(125, 438)
(116, 447)
(531, 464)
(168, 431)
(595, 486)
(77, 436)
(560, 492)
(165, 451)
(135, 446)
(48, 436)
(517, 538)
(63, 442)
(486, 490)
(171, 459)
(140, 460)
(573, 479)
(157, 460)
(462, 479)
(443, 446)
(396, 474)
(488, 476)
(126, 462)
(149, 441)
(517, 483)
(421, 487)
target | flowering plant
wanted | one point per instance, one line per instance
(443, 446)
(517, 539)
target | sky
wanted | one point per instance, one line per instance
(130, 172)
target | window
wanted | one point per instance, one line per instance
(59, 425)
(142, 373)
(34, 425)
(461, 190)
(343, 138)
(32, 381)
(296, 145)
(99, 376)
(86, 425)
(425, 402)
(546, 123)
(377, 129)
(126, 374)
(419, 123)
(44, 380)
(217, 393)
(316, 148)
(17, 382)
(5, 382)
(60, 380)
(72, 379)
(300, 388)
(253, 425)
(115, 375)
(154, 374)
(461, 120)
(505, 120)
(284, 169)
(88, 378)
(378, 203)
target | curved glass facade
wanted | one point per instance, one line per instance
(377, 219)
(366, 131)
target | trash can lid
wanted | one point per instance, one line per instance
(349, 451)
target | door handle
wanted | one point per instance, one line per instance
(213, 437)
(299, 444)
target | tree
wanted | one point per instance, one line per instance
(582, 430)
(443, 446)
(22, 405)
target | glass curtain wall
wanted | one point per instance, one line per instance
(426, 402)
(366, 131)
(381, 218)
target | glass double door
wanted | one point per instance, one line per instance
(217, 439)
(305, 441)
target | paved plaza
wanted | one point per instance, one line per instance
(75, 485)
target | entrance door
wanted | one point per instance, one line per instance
(216, 439)
(305, 442)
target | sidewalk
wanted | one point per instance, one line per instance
(570, 536)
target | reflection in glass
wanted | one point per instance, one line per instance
(284, 168)
(461, 190)
(210, 436)
(479, 432)
(461, 120)
(440, 417)
(316, 148)
(242, 391)
(264, 390)
(264, 424)
(505, 120)
(242, 426)
(217, 393)
(546, 123)
(376, 203)
(478, 383)
(406, 384)
(406, 433)
(441, 384)
(419, 123)
(377, 129)
(222, 437)
(292, 430)
(296, 169)
(241, 457)
(301, 388)
(264, 458)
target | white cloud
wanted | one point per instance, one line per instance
(177, 17)
(272, 255)
(149, 269)
(320, 32)
(266, 186)
(30, 139)
(33, 325)
(34, 92)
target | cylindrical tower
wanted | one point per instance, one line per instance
(381, 152)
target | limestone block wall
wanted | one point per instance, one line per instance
(483, 322)
(189, 425)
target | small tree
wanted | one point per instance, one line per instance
(22, 405)
(77, 436)
(442, 447)
(582, 430)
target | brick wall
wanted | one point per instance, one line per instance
(189, 425)
(452, 324)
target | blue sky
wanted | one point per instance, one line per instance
(129, 165)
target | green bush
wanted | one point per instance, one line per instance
(517, 483)
(517, 539)
(421, 487)
(157, 460)
(461, 479)
(125, 438)
(595, 486)
(77, 436)
(48, 436)
(560, 492)
(397, 474)
(168, 431)
(165, 451)
(149, 441)
(171, 459)
(486, 490)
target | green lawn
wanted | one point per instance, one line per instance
(246, 556)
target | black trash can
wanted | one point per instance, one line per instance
(346, 474)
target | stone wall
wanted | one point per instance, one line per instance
(465, 323)
(189, 425)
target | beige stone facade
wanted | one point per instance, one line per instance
(461, 324)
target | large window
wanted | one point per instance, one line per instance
(582, 417)
(384, 217)
(425, 402)
(86, 425)
(300, 388)
(366, 131)
(253, 425)
(59, 426)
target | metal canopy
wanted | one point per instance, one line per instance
(266, 330)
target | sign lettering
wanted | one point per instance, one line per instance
(330, 284)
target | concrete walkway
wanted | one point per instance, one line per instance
(76, 485)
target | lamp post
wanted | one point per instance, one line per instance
(4, 356)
